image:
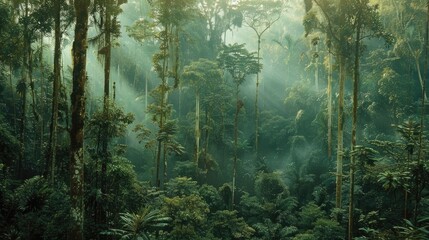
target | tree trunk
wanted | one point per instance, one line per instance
(354, 128)
(25, 77)
(256, 103)
(342, 67)
(339, 174)
(13, 97)
(316, 71)
(422, 117)
(42, 101)
(206, 141)
(78, 115)
(234, 166)
(56, 91)
(329, 93)
(162, 116)
(106, 106)
(197, 129)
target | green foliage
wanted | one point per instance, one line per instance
(391, 180)
(9, 145)
(391, 87)
(181, 186)
(269, 186)
(99, 8)
(327, 229)
(365, 155)
(275, 131)
(414, 231)
(140, 226)
(238, 62)
(202, 75)
(309, 215)
(189, 216)
(114, 119)
(260, 15)
(34, 210)
(212, 197)
(370, 223)
(251, 208)
(304, 236)
(186, 168)
(227, 225)
(11, 48)
(166, 134)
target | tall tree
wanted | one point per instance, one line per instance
(22, 86)
(202, 75)
(56, 87)
(104, 13)
(219, 17)
(335, 26)
(407, 24)
(239, 63)
(418, 181)
(260, 16)
(78, 114)
(168, 19)
(366, 23)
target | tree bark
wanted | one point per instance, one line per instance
(234, 164)
(25, 77)
(256, 101)
(56, 91)
(106, 106)
(354, 127)
(340, 133)
(422, 117)
(78, 115)
(197, 129)
(329, 93)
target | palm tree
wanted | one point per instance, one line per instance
(140, 225)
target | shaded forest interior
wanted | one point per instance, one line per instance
(214, 119)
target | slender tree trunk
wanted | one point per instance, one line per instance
(158, 161)
(342, 66)
(106, 106)
(106, 99)
(78, 115)
(354, 128)
(33, 94)
(33, 101)
(422, 117)
(197, 128)
(339, 174)
(234, 166)
(206, 141)
(316, 71)
(257, 103)
(419, 73)
(42, 100)
(176, 57)
(13, 97)
(25, 77)
(162, 115)
(146, 92)
(329, 93)
(56, 91)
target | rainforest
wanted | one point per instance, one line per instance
(214, 119)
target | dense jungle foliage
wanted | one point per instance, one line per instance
(214, 119)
